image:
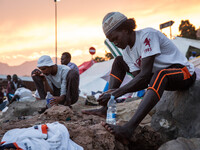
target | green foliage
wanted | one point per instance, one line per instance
(187, 29)
(109, 56)
(99, 59)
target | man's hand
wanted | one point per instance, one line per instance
(37, 72)
(56, 100)
(104, 98)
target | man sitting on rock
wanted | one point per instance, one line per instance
(153, 60)
(61, 81)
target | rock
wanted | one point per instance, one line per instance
(21, 110)
(61, 113)
(177, 113)
(86, 130)
(91, 100)
(91, 137)
(126, 110)
(182, 144)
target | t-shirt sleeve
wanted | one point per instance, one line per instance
(64, 82)
(150, 45)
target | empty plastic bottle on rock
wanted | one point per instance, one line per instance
(111, 112)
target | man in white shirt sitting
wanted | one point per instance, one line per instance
(60, 80)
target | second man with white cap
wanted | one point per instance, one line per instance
(61, 81)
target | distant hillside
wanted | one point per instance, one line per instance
(21, 70)
(24, 69)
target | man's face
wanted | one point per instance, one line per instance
(119, 38)
(64, 60)
(9, 78)
(45, 70)
(15, 79)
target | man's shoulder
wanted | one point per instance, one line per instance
(71, 64)
(63, 67)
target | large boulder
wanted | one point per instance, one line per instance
(182, 144)
(21, 110)
(127, 109)
(177, 113)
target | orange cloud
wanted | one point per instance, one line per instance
(27, 28)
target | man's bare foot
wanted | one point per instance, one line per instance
(121, 133)
(101, 112)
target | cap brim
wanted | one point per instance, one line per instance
(45, 65)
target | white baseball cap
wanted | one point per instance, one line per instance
(45, 60)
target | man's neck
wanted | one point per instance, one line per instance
(132, 39)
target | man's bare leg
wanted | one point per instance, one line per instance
(101, 112)
(123, 133)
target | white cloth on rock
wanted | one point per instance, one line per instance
(56, 137)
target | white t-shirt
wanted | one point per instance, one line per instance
(59, 80)
(151, 42)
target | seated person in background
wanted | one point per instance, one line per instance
(61, 81)
(2, 102)
(22, 94)
(10, 88)
(17, 82)
(65, 60)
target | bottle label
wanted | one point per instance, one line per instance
(111, 115)
(48, 102)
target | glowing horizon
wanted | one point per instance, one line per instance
(27, 28)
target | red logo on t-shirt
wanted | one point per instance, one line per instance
(147, 43)
(138, 62)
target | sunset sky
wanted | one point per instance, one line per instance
(27, 27)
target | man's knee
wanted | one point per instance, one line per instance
(120, 64)
(118, 59)
(73, 75)
(75, 99)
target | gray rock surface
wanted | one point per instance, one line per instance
(22, 110)
(177, 113)
(182, 144)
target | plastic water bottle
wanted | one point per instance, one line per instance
(111, 112)
(48, 98)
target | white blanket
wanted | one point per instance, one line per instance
(52, 136)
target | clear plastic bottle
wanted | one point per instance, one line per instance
(48, 98)
(111, 111)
